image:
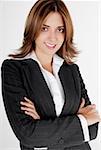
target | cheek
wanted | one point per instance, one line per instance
(61, 39)
(39, 41)
(61, 36)
(42, 38)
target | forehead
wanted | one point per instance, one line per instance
(53, 18)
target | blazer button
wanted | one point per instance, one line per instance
(61, 141)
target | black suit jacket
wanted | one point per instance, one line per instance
(24, 78)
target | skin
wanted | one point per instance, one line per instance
(50, 39)
(48, 43)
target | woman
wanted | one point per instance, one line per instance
(44, 94)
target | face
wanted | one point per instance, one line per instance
(51, 36)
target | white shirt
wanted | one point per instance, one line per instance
(56, 88)
(53, 82)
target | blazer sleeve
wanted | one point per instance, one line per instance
(30, 132)
(93, 129)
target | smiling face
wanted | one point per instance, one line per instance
(51, 36)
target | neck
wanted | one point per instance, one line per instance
(46, 61)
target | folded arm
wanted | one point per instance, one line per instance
(31, 132)
(92, 124)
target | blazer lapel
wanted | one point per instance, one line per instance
(68, 83)
(38, 87)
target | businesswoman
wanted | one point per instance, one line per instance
(43, 92)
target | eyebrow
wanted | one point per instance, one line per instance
(49, 26)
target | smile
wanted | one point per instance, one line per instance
(50, 45)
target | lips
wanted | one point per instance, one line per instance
(50, 45)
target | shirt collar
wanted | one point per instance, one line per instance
(57, 61)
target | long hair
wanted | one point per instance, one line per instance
(33, 25)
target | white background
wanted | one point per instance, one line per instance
(86, 19)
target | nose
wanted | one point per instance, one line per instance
(52, 36)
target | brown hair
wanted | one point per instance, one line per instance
(33, 25)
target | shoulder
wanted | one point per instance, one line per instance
(17, 64)
(10, 63)
(72, 66)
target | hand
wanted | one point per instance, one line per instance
(89, 112)
(29, 108)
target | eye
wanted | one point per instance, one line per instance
(61, 30)
(44, 29)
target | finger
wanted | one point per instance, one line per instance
(89, 109)
(28, 100)
(27, 104)
(32, 115)
(92, 111)
(29, 110)
(82, 103)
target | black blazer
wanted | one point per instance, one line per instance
(24, 78)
